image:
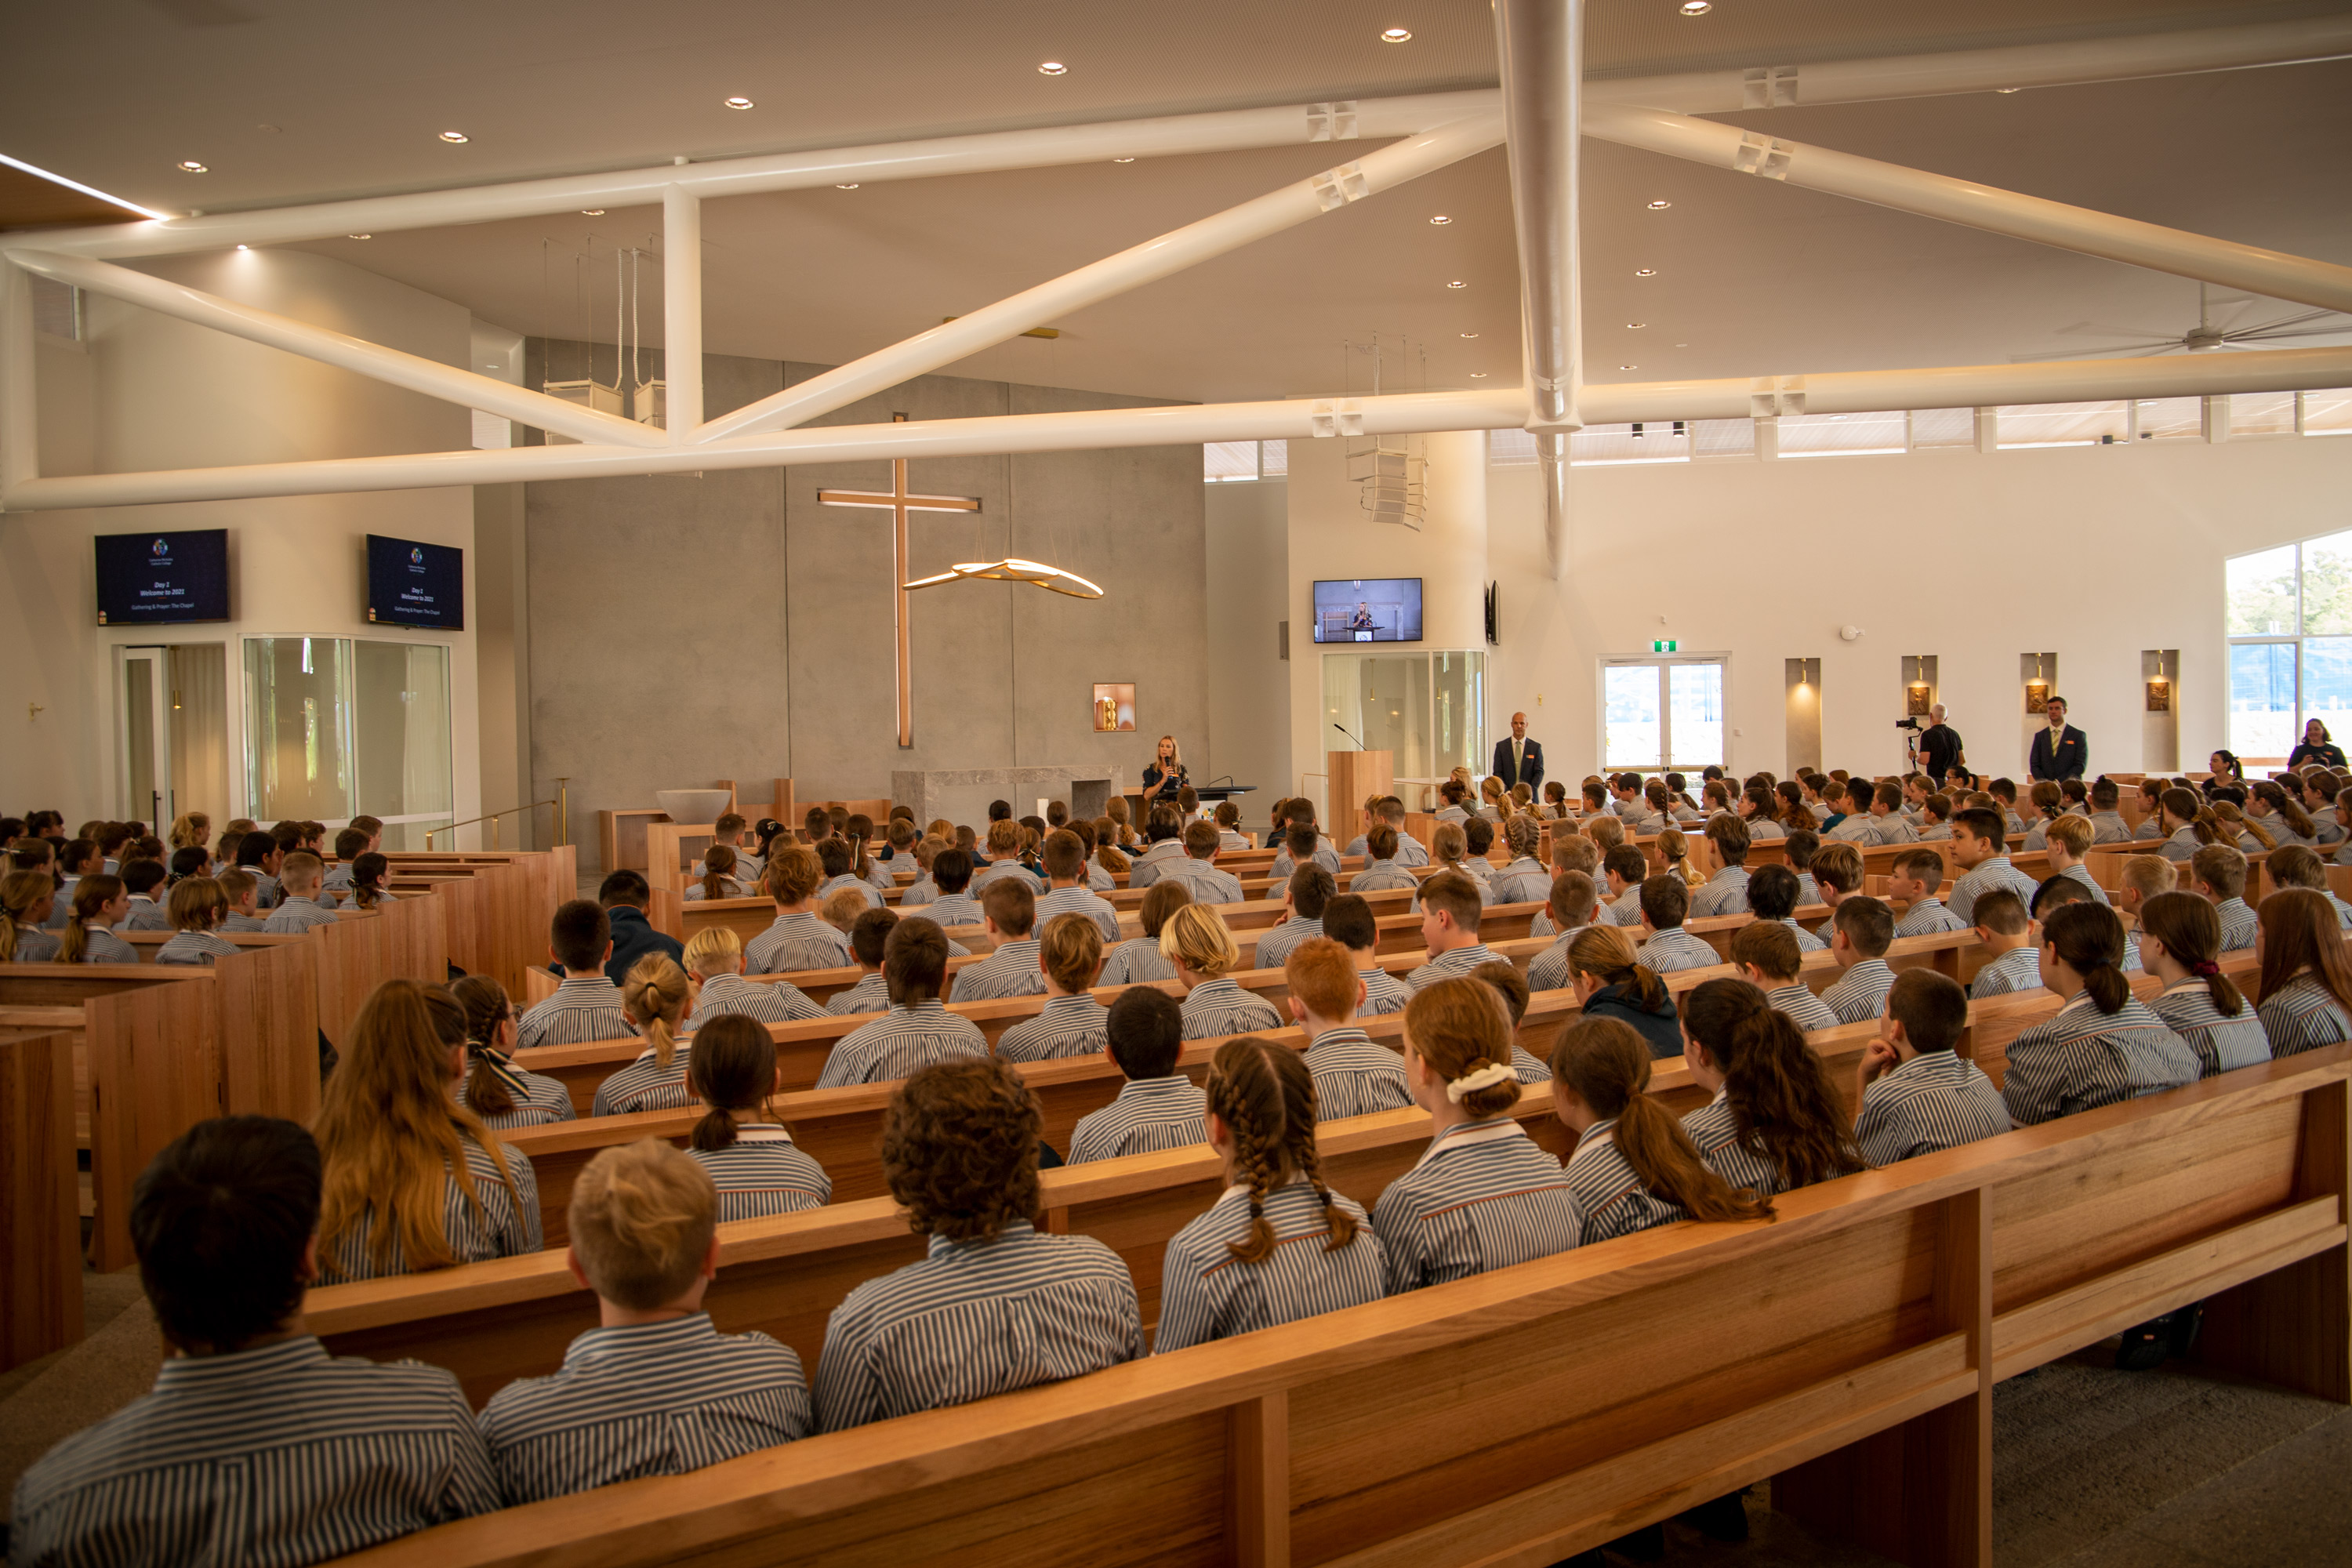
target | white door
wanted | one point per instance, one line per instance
(145, 739)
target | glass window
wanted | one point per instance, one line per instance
(400, 706)
(2327, 412)
(1654, 441)
(297, 727)
(1723, 438)
(2063, 424)
(1228, 460)
(2261, 698)
(1427, 708)
(1843, 435)
(2261, 593)
(2169, 418)
(1695, 706)
(2262, 413)
(2326, 686)
(1630, 731)
(1933, 427)
(2327, 586)
(1663, 714)
(1274, 459)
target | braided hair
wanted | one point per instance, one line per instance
(490, 1088)
(1265, 1096)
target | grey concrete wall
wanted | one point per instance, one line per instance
(686, 630)
(1248, 533)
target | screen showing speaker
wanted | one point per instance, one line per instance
(410, 584)
(163, 579)
(1368, 609)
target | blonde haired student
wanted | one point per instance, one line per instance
(243, 891)
(653, 998)
(1198, 945)
(748, 1155)
(1071, 1023)
(653, 1390)
(299, 878)
(714, 962)
(502, 1094)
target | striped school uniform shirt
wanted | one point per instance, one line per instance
(1354, 1077)
(585, 1009)
(539, 1100)
(1609, 1194)
(957, 909)
(1713, 1131)
(1151, 1116)
(1936, 1101)
(2325, 830)
(729, 888)
(795, 942)
(1935, 832)
(647, 1085)
(2019, 969)
(235, 924)
(1677, 949)
(1099, 879)
(2081, 874)
(1275, 948)
(900, 1041)
(502, 1224)
(1481, 876)
(998, 872)
(974, 1318)
(195, 947)
(1383, 993)
(1378, 876)
(1454, 964)
(2303, 1016)
(1483, 1196)
(2109, 827)
(872, 894)
(2182, 845)
(1076, 901)
(337, 884)
(1229, 841)
(1221, 1007)
(101, 945)
(922, 890)
(1809, 892)
(871, 995)
(146, 914)
(768, 1000)
(1136, 959)
(1523, 881)
(1806, 940)
(1204, 881)
(2084, 1059)
(1548, 971)
(1725, 893)
(1890, 829)
(1065, 1027)
(2239, 927)
(647, 1399)
(1995, 872)
(1206, 1293)
(1624, 911)
(2223, 1044)
(35, 947)
(1860, 994)
(1804, 1009)
(296, 916)
(1852, 828)
(1010, 970)
(1146, 868)
(1928, 917)
(277, 1454)
(764, 1173)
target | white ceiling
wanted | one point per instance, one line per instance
(289, 101)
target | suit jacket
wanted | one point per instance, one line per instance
(2070, 759)
(1532, 776)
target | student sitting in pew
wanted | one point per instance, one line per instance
(1485, 1196)
(1300, 845)
(1665, 903)
(2185, 825)
(839, 862)
(749, 1156)
(1634, 1167)
(714, 963)
(2036, 809)
(77, 859)
(858, 833)
(1914, 1094)
(954, 904)
(502, 1094)
(1555, 802)
(196, 908)
(2280, 814)
(1569, 906)
(799, 937)
(301, 907)
(1351, 1075)
(1979, 840)
(1450, 905)
(1610, 982)
(653, 1390)
(2104, 1044)
(1381, 870)
(625, 896)
(1064, 858)
(2067, 839)
(2006, 933)
(1886, 822)
(243, 891)
(367, 889)
(959, 1153)
(1768, 952)
(652, 1000)
(1349, 921)
(1725, 892)
(1510, 988)
(2180, 943)
(1774, 1123)
(1198, 945)
(1158, 1107)
(333, 1455)
(922, 889)
(1936, 819)
(257, 855)
(719, 879)
(187, 863)
(2108, 823)
(1913, 878)
(1772, 894)
(350, 845)
(918, 1030)
(867, 939)
(1236, 1269)
(1569, 852)
(1009, 914)
(585, 1007)
(1072, 1023)
(1140, 958)
(1673, 849)
(1450, 851)
(414, 1179)
(1310, 890)
(1164, 833)
(99, 904)
(842, 908)
(1865, 926)
(2219, 874)
(2298, 867)
(2307, 973)
(1625, 870)
(1196, 870)
(143, 881)
(2319, 791)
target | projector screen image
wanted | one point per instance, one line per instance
(1368, 609)
(154, 579)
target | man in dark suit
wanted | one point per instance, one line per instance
(2061, 750)
(1519, 760)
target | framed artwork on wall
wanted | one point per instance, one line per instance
(1114, 706)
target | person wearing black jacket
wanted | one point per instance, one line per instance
(625, 895)
(1610, 985)
(2059, 750)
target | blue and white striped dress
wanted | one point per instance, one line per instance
(2084, 1059)
(1714, 1129)
(195, 947)
(1860, 994)
(795, 942)
(1010, 970)
(502, 1224)
(1610, 1195)
(1206, 1293)
(1454, 964)
(768, 1000)
(1936, 1101)
(647, 1085)
(1065, 1027)
(901, 1041)
(1151, 1116)
(101, 945)
(974, 1318)
(585, 1008)
(2223, 1044)
(277, 1454)
(1221, 1007)
(647, 1399)
(1484, 1196)
(1355, 1077)
(2303, 1016)
(763, 1172)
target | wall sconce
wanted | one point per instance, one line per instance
(2159, 694)
(2037, 697)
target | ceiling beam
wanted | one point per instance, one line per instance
(1542, 45)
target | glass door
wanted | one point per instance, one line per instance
(144, 737)
(1661, 714)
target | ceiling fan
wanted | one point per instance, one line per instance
(2208, 334)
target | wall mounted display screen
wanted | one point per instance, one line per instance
(1368, 609)
(413, 585)
(158, 579)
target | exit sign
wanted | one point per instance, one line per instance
(1661, 645)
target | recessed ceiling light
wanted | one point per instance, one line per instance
(1122, 160)
(1698, 7)
(190, 166)
(1660, 206)
(359, 237)
(1469, 334)
(739, 103)
(244, 248)
(1441, 218)
(1052, 68)
(1646, 272)
(1477, 375)
(1457, 283)
(1682, 345)
(850, 186)
(1635, 326)
(453, 136)
(1629, 367)
(1396, 34)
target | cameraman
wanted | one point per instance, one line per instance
(1940, 746)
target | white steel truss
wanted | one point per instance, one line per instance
(1537, 110)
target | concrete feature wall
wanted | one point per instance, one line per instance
(684, 629)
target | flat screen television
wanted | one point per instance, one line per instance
(411, 584)
(163, 579)
(1368, 609)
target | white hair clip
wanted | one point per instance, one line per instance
(1468, 1084)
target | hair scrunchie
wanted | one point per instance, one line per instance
(2205, 971)
(1470, 1083)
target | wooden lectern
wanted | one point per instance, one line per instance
(1356, 776)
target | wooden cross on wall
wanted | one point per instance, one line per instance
(899, 503)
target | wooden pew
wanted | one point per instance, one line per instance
(40, 1210)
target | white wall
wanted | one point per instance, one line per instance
(1249, 684)
(150, 392)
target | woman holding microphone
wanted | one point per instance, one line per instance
(1166, 775)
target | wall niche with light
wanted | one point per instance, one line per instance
(2160, 719)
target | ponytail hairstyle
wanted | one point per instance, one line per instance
(1674, 847)
(732, 1070)
(20, 894)
(1782, 1104)
(2090, 942)
(860, 829)
(1794, 812)
(1605, 1064)
(368, 872)
(1265, 1096)
(1107, 852)
(1458, 1028)
(1606, 953)
(2290, 811)
(1449, 845)
(2300, 935)
(653, 997)
(493, 1081)
(90, 895)
(1718, 795)
(2191, 932)
(2182, 806)
(718, 869)
(2233, 821)
(190, 829)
